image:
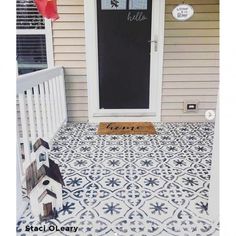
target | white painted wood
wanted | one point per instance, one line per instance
(48, 108)
(30, 80)
(155, 64)
(25, 131)
(21, 203)
(19, 160)
(38, 112)
(49, 43)
(56, 103)
(31, 115)
(43, 109)
(57, 81)
(114, 119)
(52, 103)
(128, 114)
(54, 186)
(63, 93)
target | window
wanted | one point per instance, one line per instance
(122, 5)
(33, 40)
(113, 4)
(42, 157)
(138, 4)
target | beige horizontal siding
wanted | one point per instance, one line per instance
(190, 85)
(176, 98)
(72, 49)
(179, 106)
(75, 9)
(70, 2)
(191, 61)
(194, 2)
(190, 67)
(69, 51)
(197, 16)
(192, 48)
(195, 78)
(199, 6)
(186, 118)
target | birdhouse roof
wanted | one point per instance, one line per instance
(45, 193)
(40, 142)
(34, 176)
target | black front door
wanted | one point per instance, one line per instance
(124, 33)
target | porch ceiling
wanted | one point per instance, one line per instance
(133, 185)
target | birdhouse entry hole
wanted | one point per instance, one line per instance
(45, 182)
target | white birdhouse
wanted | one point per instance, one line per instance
(44, 188)
(41, 149)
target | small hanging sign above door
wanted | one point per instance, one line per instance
(183, 12)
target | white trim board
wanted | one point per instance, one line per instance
(156, 64)
(49, 43)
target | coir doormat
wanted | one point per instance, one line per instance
(118, 128)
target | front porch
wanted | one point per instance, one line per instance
(132, 184)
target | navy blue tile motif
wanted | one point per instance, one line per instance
(133, 185)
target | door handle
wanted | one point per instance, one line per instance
(155, 44)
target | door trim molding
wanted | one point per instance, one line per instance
(156, 64)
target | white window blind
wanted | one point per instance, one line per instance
(31, 53)
(28, 16)
(34, 38)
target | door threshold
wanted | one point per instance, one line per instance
(98, 119)
(150, 114)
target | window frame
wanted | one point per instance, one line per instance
(47, 31)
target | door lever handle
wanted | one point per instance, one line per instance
(155, 44)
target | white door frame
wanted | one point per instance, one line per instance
(156, 64)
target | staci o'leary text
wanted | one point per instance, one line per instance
(50, 228)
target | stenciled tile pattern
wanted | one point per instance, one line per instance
(133, 185)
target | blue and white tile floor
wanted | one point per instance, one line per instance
(133, 185)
